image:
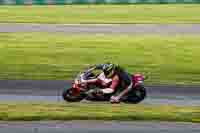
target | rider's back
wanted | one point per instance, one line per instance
(124, 76)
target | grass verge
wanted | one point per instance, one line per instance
(77, 111)
(166, 59)
(91, 14)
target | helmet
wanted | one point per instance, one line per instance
(108, 70)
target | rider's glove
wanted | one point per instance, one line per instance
(83, 80)
(115, 99)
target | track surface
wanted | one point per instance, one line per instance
(51, 90)
(104, 28)
(98, 127)
(52, 87)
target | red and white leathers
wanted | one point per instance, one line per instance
(116, 82)
(101, 79)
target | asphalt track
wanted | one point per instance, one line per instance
(51, 90)
(98, 127)
(167, 29)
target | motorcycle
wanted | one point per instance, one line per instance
(80, 90)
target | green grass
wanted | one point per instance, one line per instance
(166, 59)
(172, 13)
(77, 111)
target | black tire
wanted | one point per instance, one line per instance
(67, 96)
(136, 95)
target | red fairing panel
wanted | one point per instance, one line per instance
(137, 78)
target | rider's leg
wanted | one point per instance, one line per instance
(125, 91)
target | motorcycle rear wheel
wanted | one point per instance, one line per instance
(136, 95)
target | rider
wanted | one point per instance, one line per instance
(121, 81)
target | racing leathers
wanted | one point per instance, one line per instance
(121, 84)
(116, 86)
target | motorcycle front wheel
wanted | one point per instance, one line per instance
(70, 95)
